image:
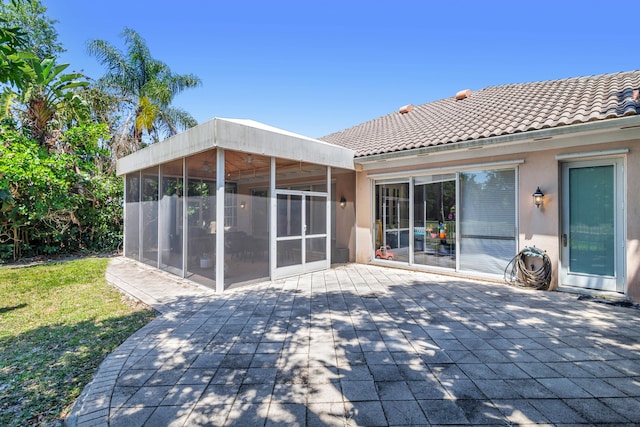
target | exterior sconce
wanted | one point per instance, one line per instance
(343, 202)
(243, 204)
(538, 195)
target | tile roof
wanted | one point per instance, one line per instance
(496, 111)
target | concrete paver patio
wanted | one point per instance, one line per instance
(366, 345)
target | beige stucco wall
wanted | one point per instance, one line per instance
(540, 227)
(345, 217)
(633, 220)
(363, 218)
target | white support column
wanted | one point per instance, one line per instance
(124, 218)
(411, 220)
(372, 215)
(330, 199)
(458, 201)
(185, 218)
(160, 240)
(220, 196)
(273, 220)
(517, 210)
(140, 217)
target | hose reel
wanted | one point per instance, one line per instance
(523, 272)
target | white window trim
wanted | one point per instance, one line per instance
(508, 164)
(585, 155)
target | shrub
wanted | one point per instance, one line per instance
(58, 202)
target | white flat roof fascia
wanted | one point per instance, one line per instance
(253, 137)
(194, 140)
(241, 135)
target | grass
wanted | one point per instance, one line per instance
(57, 323)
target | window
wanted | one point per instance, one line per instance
(487, 220)
(230, 208)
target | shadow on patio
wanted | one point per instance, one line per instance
(364, 345)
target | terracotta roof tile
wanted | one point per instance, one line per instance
(497, 111)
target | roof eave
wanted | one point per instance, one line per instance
(623, 123)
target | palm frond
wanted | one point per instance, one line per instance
(174, 119)
(107, 55)
(145, 87)
(180, 82)
(7, 98)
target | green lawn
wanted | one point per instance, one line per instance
(57, 323)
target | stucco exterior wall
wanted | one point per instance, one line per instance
(633, 220)
(345, 217)
(363, 218)
(539, 227)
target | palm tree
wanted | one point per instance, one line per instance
(146, 87)
(52, 97)
(46, 101)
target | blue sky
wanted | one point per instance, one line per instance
(317, 67)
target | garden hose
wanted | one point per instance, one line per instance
(518, 273)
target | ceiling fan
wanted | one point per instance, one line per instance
(207, 167)
(250, 159)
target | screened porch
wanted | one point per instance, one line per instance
(224, 217)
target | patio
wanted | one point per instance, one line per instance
(366, 345)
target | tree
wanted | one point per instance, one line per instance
(49, 101)
(58, 192)
(13, 68)
(40, 35)
(145, 87)
(44, 99)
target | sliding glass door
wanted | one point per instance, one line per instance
(392, 222)
(462, 220)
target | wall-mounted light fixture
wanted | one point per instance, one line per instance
(243, 204)
(343, 202)
(538, 195)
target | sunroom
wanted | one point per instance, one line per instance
(230, 202)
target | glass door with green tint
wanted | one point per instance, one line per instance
(592, 240)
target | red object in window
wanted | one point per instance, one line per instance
(383, 253)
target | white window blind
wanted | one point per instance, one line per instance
(487, 220)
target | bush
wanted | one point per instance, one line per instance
(58, 202)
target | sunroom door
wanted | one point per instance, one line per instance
(592, 241)
(301, 241)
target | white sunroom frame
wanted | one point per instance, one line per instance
(245, 136)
